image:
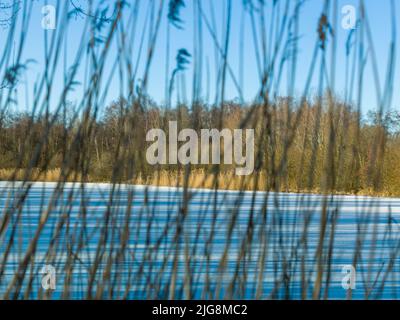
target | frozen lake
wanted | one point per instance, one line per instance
(134, 242)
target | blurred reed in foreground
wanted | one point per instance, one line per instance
(313, 142)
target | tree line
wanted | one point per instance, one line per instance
(314, 145)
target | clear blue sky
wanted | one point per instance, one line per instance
(378, 12)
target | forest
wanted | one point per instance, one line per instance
(307, 146)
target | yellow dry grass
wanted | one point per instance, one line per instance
(226, 180)
(203, 179)
(35, 174)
